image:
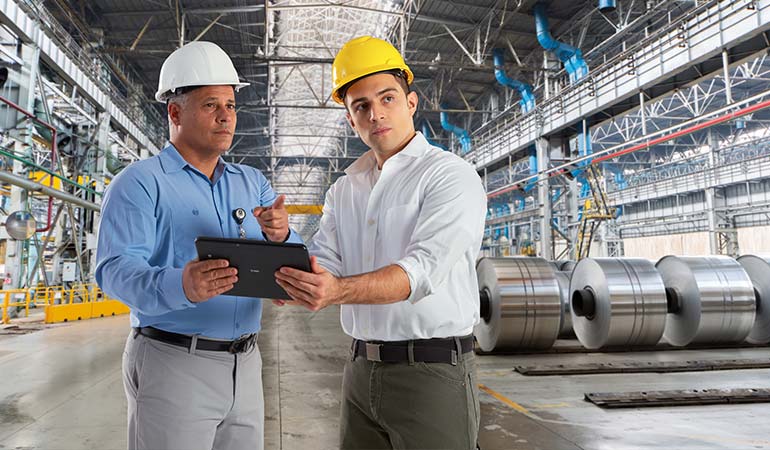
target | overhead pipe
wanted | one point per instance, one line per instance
(532, 171)
(571, 57)
(527, 101)
(606, 6)
(462, 135)
(608, 154)
(49, 219)
(426, 133)
(33, 186)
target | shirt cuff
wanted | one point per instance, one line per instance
(173, 292)
(419, 283)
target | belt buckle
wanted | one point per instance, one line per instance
(241, 344)
(373, 352)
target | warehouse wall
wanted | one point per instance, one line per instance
(754, 240)
(654, 247)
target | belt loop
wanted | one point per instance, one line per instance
(410, 352)
(458, 351)
(137, 332)
(193, 344)
(354, 348)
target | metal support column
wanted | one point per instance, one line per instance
(544, 198)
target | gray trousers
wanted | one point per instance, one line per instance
(189, 401)
(409, 406)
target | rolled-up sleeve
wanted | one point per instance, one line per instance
(451, 219)
(324, 245)
(127, 237)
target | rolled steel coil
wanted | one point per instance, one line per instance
(758, 270)
(520, 304)
(710, 300)
(565, 323)
(617, 302)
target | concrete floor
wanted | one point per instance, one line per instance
(60, 388)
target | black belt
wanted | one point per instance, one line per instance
(240, 345)
(439, 350)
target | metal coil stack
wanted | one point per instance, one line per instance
(520, 304)
(617, 302)
(758, 270)
(526, 303)
(710, 300)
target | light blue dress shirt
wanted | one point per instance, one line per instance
(151, 214)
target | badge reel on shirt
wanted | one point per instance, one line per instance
(240, 214)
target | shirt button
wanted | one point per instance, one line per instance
(237, 325)
(371, 222)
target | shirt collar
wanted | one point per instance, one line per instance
(172, 161)
(416, 148)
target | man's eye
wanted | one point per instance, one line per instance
(388, 99)
(360, 107)
(231, 107)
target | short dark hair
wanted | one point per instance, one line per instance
(399, 74)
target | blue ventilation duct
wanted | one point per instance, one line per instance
(532, 171)
(620, 180)
(527, 101)
(606, 6)
(426, 133)
(584, 148)
(571, 57)
(462, 135)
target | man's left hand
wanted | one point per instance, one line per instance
(314, 290)
(273, 219)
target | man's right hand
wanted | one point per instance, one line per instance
(203, 280)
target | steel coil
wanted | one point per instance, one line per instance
(520, 304)
(617, 302)
(711, 300)
(758, 270)
(565, 323)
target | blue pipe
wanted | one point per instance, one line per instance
(426, 133)
(607, 5)
(462, 135)
(532, 171)
(527, 101)
(584, 148)
(571, 57)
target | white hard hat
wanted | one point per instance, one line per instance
(197, 63)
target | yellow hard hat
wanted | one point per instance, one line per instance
(364, 56)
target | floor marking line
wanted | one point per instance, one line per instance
(505, 400)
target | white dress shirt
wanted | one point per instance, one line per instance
(425, 212)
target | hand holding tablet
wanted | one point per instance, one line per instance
(256, 261)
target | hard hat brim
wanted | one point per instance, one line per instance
(162, 97)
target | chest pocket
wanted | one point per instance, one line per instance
(396, 228)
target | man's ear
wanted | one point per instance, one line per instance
(411, 101)
(173, 113)
(350, 120)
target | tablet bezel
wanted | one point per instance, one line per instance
(245, 253)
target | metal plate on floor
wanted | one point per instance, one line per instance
(641, 367)
(678, 398)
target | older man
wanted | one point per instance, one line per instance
(191, 367)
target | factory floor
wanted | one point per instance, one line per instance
(61, 388)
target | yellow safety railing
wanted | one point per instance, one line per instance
(10, 299)
(81, 301)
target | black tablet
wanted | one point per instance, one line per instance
(256, 261)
